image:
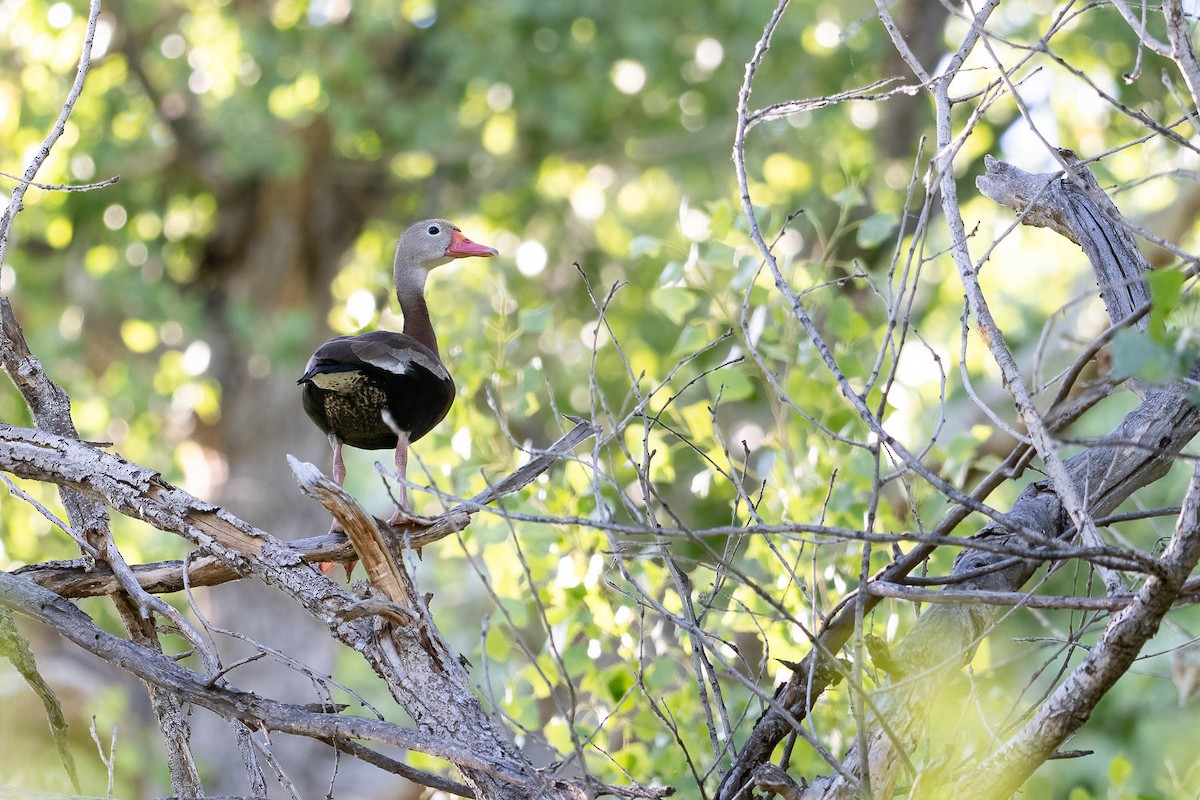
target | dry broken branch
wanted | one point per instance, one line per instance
(384, 567)
(75, 579)
(423, 672)
(1076, 207)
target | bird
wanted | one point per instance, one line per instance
(381, 390)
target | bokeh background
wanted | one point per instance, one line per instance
(270, 153)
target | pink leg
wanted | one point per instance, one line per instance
(339, 477)
(339, 466)
(402, 513)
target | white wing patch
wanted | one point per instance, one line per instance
(399, 360)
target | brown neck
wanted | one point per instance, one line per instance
(416, 316)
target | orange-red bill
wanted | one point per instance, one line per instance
(461, 247)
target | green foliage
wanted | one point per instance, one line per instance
(1153, 361)
(15, 649)
(590, 134)
(1160, 355)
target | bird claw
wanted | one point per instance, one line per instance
(408, 521)
(325, 567)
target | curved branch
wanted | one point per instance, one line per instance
(1065, 711)
(40, 604)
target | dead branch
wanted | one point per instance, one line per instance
(1069, 707)
(1015, 599)
(1075, 206)
(422, 671)
(383, 565)
(1136, 453)
(77, 579)
(39, 604)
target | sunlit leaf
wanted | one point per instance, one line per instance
(875, 229)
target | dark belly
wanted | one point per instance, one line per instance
(353, 410)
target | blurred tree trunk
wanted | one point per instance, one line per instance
(907, 117)
(275, 248)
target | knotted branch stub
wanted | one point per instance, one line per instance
(383, 566)
(1074, 205)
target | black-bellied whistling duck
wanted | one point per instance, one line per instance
(350, 381)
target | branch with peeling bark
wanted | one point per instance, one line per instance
(1073, 205)
(80, 579)
(425, 675)
(1136, 453)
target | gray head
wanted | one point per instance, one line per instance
(422, 247)
(431, 243)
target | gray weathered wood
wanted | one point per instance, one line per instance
(1073, 205)
(425, 676)
(1136, 453)
(1072, 702)
(429, 683)
(33, 601)
(78, 579)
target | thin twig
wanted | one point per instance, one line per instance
(15, 203)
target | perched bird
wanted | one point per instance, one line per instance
(352, 382)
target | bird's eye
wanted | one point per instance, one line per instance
(434, 230)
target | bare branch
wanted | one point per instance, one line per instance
(1018, 599)
(32, 601)
(1110, 471)
(64, 187)
(16, 201)
(1073, 701)
(1183, 53)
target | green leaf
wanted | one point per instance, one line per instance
(731, 384)
(499, 647)
(645, 246)
(1165, 288)
(618, 683)
(850, 197)
(1137, 356)
(671, 273)
(692, 338)
(674, 303)
(720, 218)
(747, 270)
(875, 229)
(1119, 771)
(536, 320)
